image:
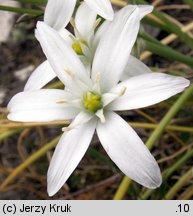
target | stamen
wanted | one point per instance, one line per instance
(66, 129)
(98, 77)
(72, 37)
(97, 22)
(96, 86)
(70, 73)
(122, 91)
(72, 22)
(61, 101)
(101, 116)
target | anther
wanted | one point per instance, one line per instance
(61, 101)
(72, 22)
(97, 22)
(66, 129)
(70, 73)
(98, 77)
(122, 91)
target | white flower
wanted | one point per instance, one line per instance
(59, 12)
(84, 42)
(91, 99)
(57, 15)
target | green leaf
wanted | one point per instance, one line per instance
(156, 47)
(170, 26)
(155, 24)
(22, 10)
(189, 2)
(34, 2)
(175, 29)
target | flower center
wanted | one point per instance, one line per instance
(92, 102)
(77, 48)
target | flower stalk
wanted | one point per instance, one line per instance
(179, 184)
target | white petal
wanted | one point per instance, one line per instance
(67, 36)
(68, 153)
(58, 13)
(84, 22)
(115, 46)
(42, 75)
(134, 67)
(108, 98)
(101, 7)
(144, 10)
(103, 28)
(41, 106)
(146, 90)
(127, 150)
(82, 118)
(61, 56)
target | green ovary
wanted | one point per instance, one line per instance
(77, 48)
(92, 102)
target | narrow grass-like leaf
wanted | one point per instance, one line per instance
(160, 49)
(170, 26)
(189, 2)
(21, 10)
(175, 29)
(156, 24)
(34, 2)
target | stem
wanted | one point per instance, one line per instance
(179, 184)
(158, 132)
(167, 173)
(124, 184)
(29, 161)
(64, 123)
(7, 134)
(188, 194)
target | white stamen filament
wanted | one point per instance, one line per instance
(101, 116)
(97, 22)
